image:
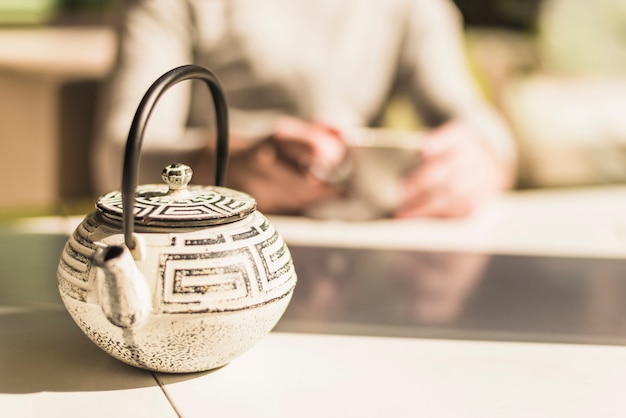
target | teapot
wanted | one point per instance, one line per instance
(176, 277)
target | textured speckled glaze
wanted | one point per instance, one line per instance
(216, 291)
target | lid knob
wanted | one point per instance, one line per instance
(177, 176)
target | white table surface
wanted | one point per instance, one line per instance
(48, 368)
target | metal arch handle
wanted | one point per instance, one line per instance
(138, 127)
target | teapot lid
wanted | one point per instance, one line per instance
(177, 204)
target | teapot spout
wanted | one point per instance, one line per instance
(123, 290)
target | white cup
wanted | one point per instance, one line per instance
(378, 160)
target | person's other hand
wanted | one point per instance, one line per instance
(457, 172)
(281, 172)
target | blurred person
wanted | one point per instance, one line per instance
(296, 74)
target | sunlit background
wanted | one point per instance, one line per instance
(555, 68)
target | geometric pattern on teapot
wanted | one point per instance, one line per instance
(222, 280)
(233, 267)
(199, 203)
(75, 267)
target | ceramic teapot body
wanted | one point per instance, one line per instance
(187, 279)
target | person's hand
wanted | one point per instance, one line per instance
(283, 172)
(456, 173)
